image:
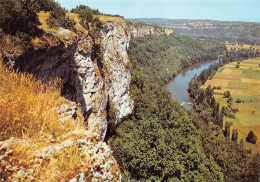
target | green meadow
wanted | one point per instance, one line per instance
(243, 83)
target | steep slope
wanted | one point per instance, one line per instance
(161, 57)
(43, 137)
(94, 70)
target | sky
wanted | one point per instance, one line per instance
(225, 10)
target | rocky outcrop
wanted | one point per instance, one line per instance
(116, 42)
(137, 30)
(96, 162)
(93, 72)
(87, 79)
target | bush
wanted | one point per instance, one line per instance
(227, 94)
(238, 100)
(251, 137)
(58, 19)
(18, 16)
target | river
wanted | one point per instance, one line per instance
(179, 84)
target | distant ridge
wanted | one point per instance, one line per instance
(234, 31)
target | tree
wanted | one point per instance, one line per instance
(227, 129)
(227, 94)
(18, 16)
(58, 18)
(85, 15)
(234, 135)
(238, 100)
(230, 101)
(251, 137)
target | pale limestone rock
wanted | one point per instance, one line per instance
(87, 81)
(116, 42)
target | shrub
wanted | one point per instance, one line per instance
(227, 94)
(238, 100)
(251, 137)
(111, 117)
(58, 19)
(18, 16)
(230, 100)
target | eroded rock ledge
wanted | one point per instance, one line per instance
(87, 79)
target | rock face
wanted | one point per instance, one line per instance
(145, 30)
(87, 80)
(96, 161)
(116, 42)
(90, 77)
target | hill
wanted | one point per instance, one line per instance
(161, 57)
(245, 32)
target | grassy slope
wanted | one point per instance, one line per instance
(243, 83)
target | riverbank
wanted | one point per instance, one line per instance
(178, 85)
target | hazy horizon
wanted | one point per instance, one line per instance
(222, 10)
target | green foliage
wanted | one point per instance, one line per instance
(238, 100)
(235, 162)
(58, 19)
(234, 135)
(44, 5)
(227, 94)
(161, 57)
(158, 142)
(251, 137)
(18, 16)
(227, 129)
(85, 15)
(230, 100)
(111, 116)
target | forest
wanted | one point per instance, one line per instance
(161, 141)
(162, 57)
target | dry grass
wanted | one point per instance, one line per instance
(104, 18)
(73, 16)
(28, 107)
(43, 16)
(28, 111)
(63, 166)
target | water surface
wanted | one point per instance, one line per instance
(179, 84)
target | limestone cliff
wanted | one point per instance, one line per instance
(94, 72)
(141, 30)
(91, 75)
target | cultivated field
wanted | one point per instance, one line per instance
(243, 83)
(243, 46)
